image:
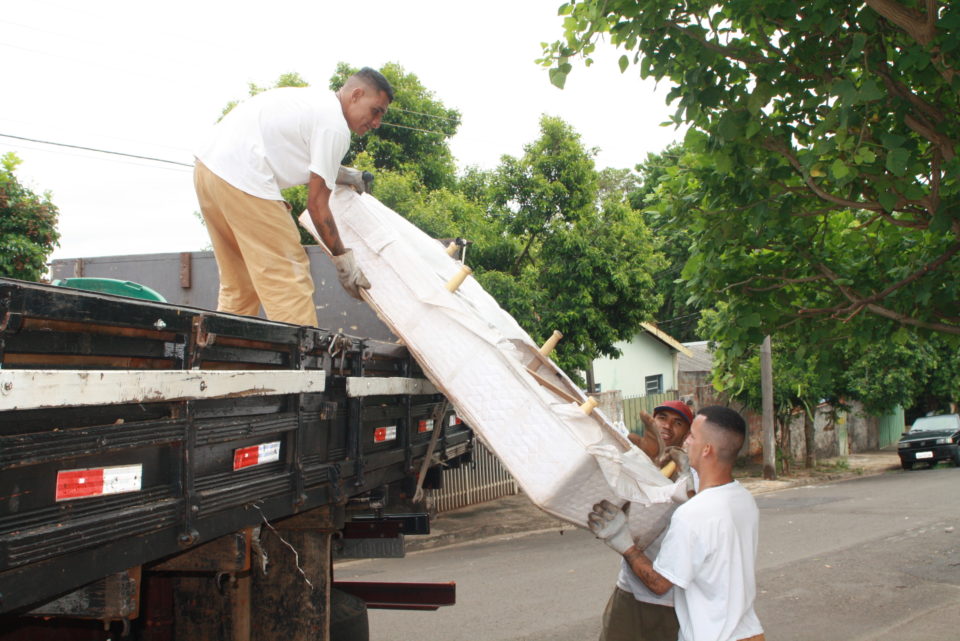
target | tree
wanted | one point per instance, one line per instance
(582, 264)
(679, 315)
(28, 225)
(828, 131)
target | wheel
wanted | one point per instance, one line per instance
(907, 465)
(956, 457)
(348, 617)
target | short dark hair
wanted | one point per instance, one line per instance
(730, 426)
(376, 79)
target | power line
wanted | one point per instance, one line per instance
(420, 113)
(426, 131)
(99, 151)
(677, 318)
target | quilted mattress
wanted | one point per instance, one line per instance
(524, 408)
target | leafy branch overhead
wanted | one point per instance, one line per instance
(823, 167)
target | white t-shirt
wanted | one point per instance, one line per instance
(709, 553)
(628, 580)
(275, 139)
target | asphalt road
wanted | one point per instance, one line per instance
(872, 558)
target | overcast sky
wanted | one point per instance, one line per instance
(149, 78)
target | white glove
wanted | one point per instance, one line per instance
(349, 274)
(608, 522)
(360, 181)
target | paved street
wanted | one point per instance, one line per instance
(871, 558)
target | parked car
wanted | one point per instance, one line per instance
(931, 439)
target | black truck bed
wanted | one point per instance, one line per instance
(192, 468)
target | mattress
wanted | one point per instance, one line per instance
(524, 408)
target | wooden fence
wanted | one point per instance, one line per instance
(633, 405)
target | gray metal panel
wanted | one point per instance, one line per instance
(335, 308)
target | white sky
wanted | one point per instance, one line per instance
(149, 78)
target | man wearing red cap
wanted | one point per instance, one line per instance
(634, 612)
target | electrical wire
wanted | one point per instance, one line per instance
(426, 131)
(420, 113)
(100, 151)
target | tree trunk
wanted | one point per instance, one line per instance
(809, 440)
(766, 384)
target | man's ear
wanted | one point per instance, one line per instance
(356, 94)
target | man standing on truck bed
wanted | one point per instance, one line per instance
(634, 612)
(277, 139)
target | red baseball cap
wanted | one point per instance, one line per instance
(679, 407)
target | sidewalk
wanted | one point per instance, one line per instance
(513, 516)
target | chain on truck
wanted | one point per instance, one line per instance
(168, 472)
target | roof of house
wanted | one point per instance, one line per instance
(665, 338)
(697, 358)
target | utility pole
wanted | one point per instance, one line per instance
(766, 391)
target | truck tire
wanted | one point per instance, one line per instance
(348, 617)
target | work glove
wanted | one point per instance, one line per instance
(608, 522)
(349, 274)
(360, 181)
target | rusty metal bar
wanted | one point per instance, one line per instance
(401, 596)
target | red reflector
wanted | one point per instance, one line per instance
(383, 434)
(80, 484)
(425, 426)
(256, 455)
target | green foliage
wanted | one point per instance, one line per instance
(679, 316)
(28, 226)
(579, 263)
(823, 141)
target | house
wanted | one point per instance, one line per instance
(648, 365)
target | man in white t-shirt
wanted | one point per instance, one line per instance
(634, 612)
(277, 139)
(708, 555)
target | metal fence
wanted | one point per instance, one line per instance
(486, 479)
(482, 480)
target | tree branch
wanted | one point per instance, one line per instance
(919, 26)
(926, 269)
(772, 145)
(909, 320)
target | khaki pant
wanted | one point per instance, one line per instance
(258, 251)
(626, 619)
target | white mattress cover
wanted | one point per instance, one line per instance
(477, 355)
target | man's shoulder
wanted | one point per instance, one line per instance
(711, 499)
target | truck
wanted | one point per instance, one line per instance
(171, 472)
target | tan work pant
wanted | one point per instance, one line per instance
(258, 251)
